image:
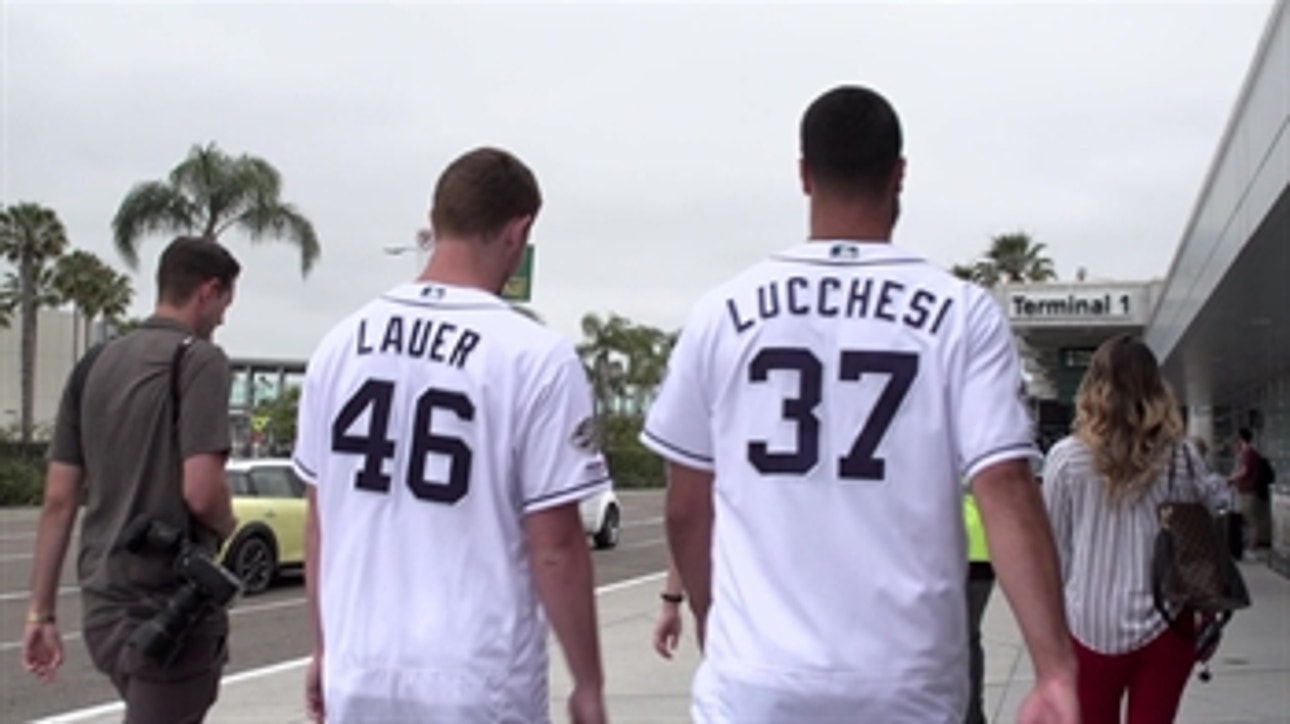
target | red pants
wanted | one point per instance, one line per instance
(1153, 676)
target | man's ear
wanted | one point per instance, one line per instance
(898, 175)
(804, 174)
(517, 231)
(208, 290)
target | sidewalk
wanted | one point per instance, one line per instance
(1251, 673)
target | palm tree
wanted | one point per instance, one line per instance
(93, 288)
(208, 193)
(1015, 257)
(9, 300)
(11, 294)
(647, 349)
(624, 361)
(30, 235)
(600, 351)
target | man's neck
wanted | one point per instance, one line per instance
(460, 264)
(833, 218)
(181, 315)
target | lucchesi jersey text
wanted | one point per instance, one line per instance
(840, 391)
(431, 421)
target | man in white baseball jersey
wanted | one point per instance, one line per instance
(447, 440)
(817, 415)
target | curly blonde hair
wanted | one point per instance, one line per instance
(1127, 416)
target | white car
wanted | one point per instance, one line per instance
(602, 518)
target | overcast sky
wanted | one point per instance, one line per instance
(664, 136)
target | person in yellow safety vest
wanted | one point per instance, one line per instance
(979, 585)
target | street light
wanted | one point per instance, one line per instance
(423, 245)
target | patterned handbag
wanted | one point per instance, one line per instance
(1191, 566)
(1192, 571)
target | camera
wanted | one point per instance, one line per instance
(206, 586)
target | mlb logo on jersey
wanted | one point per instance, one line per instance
(584, 435)
(844, 251)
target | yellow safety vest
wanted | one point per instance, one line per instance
(977, 548)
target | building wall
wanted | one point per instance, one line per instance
(57, 348)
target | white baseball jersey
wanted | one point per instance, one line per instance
(431, 422)
(838, 391)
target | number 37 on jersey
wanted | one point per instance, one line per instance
(816, 377)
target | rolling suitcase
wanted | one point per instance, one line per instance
(1232, 526)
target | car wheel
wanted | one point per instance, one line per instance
(607, 536)
(253, 560)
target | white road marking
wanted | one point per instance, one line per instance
(642, 523)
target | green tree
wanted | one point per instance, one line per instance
(625, 362)
(9, 298)
(1015, 257)
(93, 288)
(601, 353)
(1011, 258)
(279, 418)
(208, 193)
(30, 236)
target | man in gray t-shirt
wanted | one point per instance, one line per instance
(142, 430)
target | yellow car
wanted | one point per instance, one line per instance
(269, 503)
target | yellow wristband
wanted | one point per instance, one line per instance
(39, 619)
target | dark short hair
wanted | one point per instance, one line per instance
(1245, 434)
(481, 192)
(191, 261)
(851, 140)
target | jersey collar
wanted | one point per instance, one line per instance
(434, 294)
(846, 252)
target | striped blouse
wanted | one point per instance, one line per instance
(1105, 549)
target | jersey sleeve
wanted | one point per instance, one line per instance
(679, 426)
(311, 425)
(559, 461)
(990, 419)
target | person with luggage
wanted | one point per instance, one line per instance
(1252, 480)
(1103, 485)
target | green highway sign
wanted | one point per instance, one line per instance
(519, 288)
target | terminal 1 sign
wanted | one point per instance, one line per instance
(1071, 305)
(1075, 304)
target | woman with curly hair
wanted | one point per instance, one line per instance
(1102, 485)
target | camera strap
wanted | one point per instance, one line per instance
(176, 395)
(176, 366)
(76, 385)
(81, 372)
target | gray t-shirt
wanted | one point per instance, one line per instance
(126, 440)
